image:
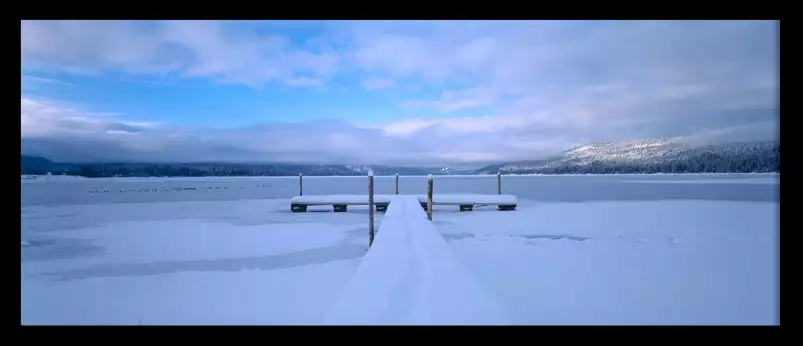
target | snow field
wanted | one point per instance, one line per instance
(255, 262)
(668, 262)
(239, 262)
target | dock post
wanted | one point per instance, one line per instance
(300, 184)
(429, 197)
(498, 183)
(397, 183)
(370, 208)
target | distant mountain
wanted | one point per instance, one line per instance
(32, 165)
(665, 155)
(33, 162)
(38, 165)
(668, 155)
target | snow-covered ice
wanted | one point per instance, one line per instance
(668, 262)
(410, 276)
(708, 181)
(242, 262)
(292, 295)
(28, 178)
(253, 261)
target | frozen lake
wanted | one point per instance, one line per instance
(626, 249)
(579, 188)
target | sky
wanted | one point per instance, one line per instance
(387, 92)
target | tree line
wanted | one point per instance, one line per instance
(100, 170)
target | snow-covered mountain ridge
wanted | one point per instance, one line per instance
(651, 156)
(636, 150)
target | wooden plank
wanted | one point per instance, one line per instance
(429, 198)
(339, 199)
(370, 208)
(455, 199)
(298, 208)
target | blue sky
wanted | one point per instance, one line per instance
(387, 92)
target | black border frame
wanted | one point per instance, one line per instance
(330, 10)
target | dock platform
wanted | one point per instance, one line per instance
(410, 276)
(466, 202)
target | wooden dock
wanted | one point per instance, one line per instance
(466, 202)
(411, 254)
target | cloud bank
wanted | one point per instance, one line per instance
(541, 86)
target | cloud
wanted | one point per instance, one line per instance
(36, 84)
(759, 130)
(228, 52)
(29, 79)
(377, 83)
(46, 118)
(451, 101)
(504, 90)
(67, 133)
(303, 81)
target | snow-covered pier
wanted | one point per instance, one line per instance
(465, 201)
(411, 276)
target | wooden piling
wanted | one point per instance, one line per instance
(498, 183)
(370, 208)
(300, 184)
(397, 183)
(429, 197)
